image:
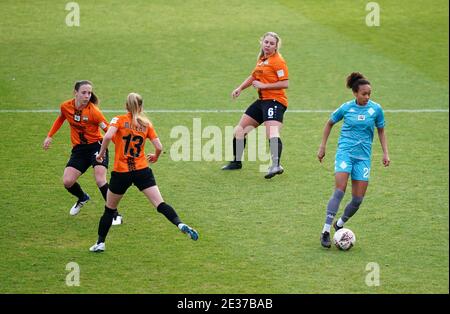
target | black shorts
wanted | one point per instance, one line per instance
(121, 181)
(83, 156)
(266, 110)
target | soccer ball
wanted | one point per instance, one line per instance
(344, 239)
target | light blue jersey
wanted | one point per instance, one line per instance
(357, 131)
(355, 142)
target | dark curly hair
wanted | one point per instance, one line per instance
(356, 79)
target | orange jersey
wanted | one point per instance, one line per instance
(130, 144)
(84, 124)
(271, 70)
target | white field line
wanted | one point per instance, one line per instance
(219, 111)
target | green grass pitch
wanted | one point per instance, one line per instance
(256, 235)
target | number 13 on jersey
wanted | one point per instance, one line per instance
(132, 145)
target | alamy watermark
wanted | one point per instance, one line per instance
(211, 143)
(73, 277)
(373, 275)
(73, 17)
(373, 18)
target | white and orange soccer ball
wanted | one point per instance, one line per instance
(344, 239)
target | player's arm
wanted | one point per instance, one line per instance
(246, 83)
(281, 70)
(384, 146)
(277, 85)
(104, 125)
(326, 134)
(101, 120)
(153, 157)
(106, 140)
(55, 127)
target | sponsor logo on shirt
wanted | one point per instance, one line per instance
(361, 117)
(114, 120)
(85, 118)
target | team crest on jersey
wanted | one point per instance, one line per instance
(77, 118)
(371, 111)
(361, 117)
(280, 73)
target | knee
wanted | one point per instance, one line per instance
(239, 132)
(272, 133)
(356, 201)
(68, 182)
(272, 130)
(100, 181)
(338, 194)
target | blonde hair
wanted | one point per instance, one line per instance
(135, 107)
(274, 35)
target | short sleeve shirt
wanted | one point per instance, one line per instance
(129, 143)
(271, 70)
(85, 124)
(358, 128)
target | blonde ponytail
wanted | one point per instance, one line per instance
(135, 107)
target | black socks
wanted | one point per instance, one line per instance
(104, 190)
(76, 190)
(105, 223)
(169, 212)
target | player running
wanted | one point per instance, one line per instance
(353, 156)
(85, 120)
(129, 133)
(271, 78)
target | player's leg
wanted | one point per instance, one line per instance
(100, 171)
(250, 120)
(276, 146)
(342, 167)
(360, 182)
(273, 114)
(341, 179)
(146, 183)
(154, 196)
(100, 179)
(70, 178)
(119, 184)
(77, 165)
(359, 189)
